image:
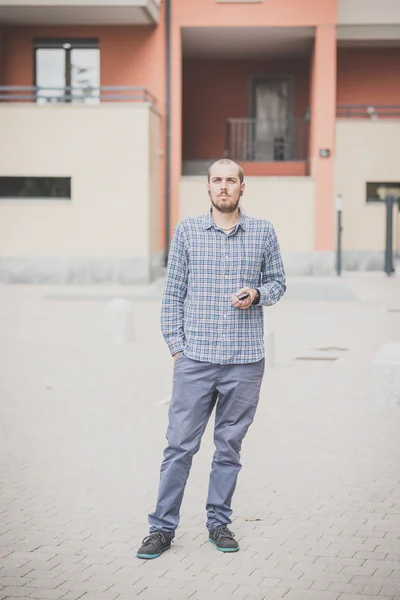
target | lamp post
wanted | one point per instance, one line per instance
(389, 195)
(339, 208)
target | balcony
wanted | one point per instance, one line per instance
(373, 112)
(233, 78)
(75, 95)
(266, 147)
(267, 140)
(79, 12)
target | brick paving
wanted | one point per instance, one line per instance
(82, 424)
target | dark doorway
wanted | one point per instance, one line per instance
(272, 109)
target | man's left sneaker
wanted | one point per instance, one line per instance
(223, 539)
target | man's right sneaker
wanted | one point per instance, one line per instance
(154, 544)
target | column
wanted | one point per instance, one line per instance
(176, 118)
(323, 117)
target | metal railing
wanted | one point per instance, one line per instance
(75, 95)
(267, 140)
(368, 111)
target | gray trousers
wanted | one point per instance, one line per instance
(234, 390)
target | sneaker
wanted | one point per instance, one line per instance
(154, 544)
(223, 539)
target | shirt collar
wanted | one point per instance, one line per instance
(208, 220)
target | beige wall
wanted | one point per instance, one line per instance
(154, 184)
(365, 151)
(368, 12)
(287, 202)
(106, 150)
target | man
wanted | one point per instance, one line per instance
(223, 267)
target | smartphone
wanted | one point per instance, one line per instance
(244, 296)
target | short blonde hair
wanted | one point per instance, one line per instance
(227, 161)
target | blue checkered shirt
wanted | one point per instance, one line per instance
(205, 267)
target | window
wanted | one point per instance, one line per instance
(35, 187)
(375, 190)
(67, 70)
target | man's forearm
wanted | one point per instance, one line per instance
(174, 294)
(172, 324)
(271, 292)
(273, 276)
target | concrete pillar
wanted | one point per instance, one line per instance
(176, 116)
(322, 138)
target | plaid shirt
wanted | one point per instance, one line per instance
(205, 267)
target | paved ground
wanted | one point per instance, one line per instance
(317, 510)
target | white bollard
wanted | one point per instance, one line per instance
(120, 321)
(387, 375)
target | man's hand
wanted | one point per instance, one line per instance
(176, 355)
(243, 304)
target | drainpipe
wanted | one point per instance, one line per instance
(168, 130)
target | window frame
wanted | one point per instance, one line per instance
(30, 199)
(59, 43)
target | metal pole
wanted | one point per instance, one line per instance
(389, 236)
(339, 242)
(396, 251)
(339, 208)
(168, 130)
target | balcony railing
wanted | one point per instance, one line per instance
(267, 140)
(75, 95)
(367, 111)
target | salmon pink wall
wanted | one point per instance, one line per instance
(368, 76)
(323, 117)
(129, 55)
(267, 13)
(214, 91)
(275, 169)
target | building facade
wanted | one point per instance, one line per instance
(111, 112)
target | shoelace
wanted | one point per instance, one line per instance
(152, 538)
(222, 531)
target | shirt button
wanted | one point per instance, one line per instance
(227, 256)
(225, 316)
(226, 275)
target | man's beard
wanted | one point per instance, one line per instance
(225, 207)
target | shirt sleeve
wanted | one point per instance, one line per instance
(175, 292)
(273, 273)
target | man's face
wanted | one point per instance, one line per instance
(225, 187)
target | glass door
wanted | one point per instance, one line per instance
(50, 75)
(85, 75)
(67, 71)
(273, 113)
